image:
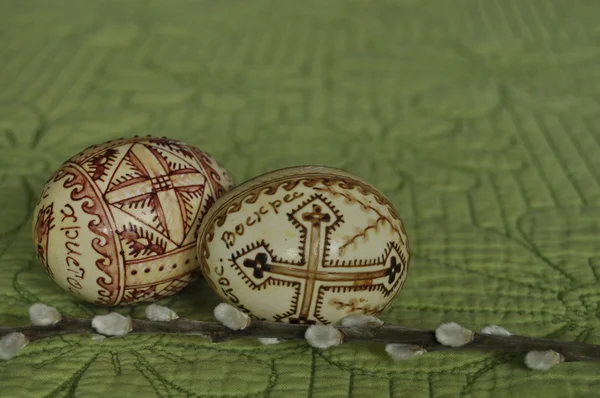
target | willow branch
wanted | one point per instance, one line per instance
(386, 334)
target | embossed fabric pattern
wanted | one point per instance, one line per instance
(477, 119)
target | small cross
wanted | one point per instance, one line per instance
(259, 264)
(394, 270)
(316, 217)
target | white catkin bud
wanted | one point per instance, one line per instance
(495, 330)
(268, 340)
(155, 312)
(400, 352)
(323, 336)
(453, 335)
(361, 321)
(43, 315)
(231, 317)
(11, 344)
(543, 360)
(112, 324)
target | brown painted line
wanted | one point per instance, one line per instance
(120, 269)
(112, 196)
(148, 226)
(126, 183)
(325, 275)
(311, 271)
(157, 283)
(168, 254)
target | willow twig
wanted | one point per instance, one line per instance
(386, 334)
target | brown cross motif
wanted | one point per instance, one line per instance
(318, 219)
(394, 270)
(160, 182)
(259, 265)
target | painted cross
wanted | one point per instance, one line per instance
(316, 220)
(158, 185)
(259, 265)
(394, 270)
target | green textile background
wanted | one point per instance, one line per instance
(477, 118)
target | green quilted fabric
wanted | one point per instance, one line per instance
(478, 119)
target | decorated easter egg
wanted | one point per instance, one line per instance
(304, 245)
(117, 224)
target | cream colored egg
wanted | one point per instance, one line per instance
(117, 224)
(304, 245)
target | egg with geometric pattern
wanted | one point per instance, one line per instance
(304, 245)
(117, 223)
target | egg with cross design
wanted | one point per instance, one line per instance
(304, 245)
(117, 223)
